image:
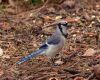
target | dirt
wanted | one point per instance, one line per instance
(23, 32)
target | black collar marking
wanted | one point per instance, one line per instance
(65, 35)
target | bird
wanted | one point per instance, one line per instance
(53, 44)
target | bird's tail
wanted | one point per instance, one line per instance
(34, 54)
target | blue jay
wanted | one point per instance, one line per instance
(53, 45)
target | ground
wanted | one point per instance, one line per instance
(23, 31)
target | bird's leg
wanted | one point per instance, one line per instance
(52, 61)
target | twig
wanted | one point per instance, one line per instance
(48, 25)
(43, 77)
(35, 11)
(57, 21)
(72, 71)
(91, 76)
(72, 76)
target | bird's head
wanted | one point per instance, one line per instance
(62, 26)
(63, 23)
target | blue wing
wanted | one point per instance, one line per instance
(44, 46)
(34, 54)
(54, 39)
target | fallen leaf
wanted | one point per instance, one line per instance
(47, 18)
(10, 11)
(0, 1)
(53, 78)
(58, 17)
(69, 4)
(86, 16)
(1, 52)
(97, 56)
(35, 45)
(42, 58)
(71, 20)
(91, 34)
(97, 6)
(79, 78)
(51, 9)
(59, 62)
(96, 70)
(1, 71)
(5, 25)
(93, 16)
(6, 57)
(89, 52)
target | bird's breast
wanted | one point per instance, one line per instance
(54, 49)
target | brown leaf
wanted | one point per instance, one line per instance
(58, 17)
(59, 62)
(79, 78)
(0, 1)
(42, 58)
(1, 71)
(53, 78)
(96, 69)
(91, 34)
(68, 3)
(89, 52)
(6, 56)
(10, 11)
(5, 25)
(1, 52)
(86, 16)
(97, 56)
(47, 18)
(71, 20)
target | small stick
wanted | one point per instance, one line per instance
(56, 22)
(91, 76)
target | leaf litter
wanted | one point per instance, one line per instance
(21, 33)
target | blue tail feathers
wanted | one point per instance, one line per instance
(34, 54)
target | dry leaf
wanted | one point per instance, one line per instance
(51, 9)
(91, 34)
(6, 57)
(0, 1)
(10, 11)
(79, 78)
(53, 78)
(41, 58)
(58, 17)
(86, 16)
(1, 52)
(89, 52)
(97, 6)
(96, 69)
(12, 3)
(71, 20)
(59, 62)
(46, 18)
(1, 71)
(69, 4)
(5, 25)
(97, 56)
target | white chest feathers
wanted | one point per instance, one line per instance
(55, 49)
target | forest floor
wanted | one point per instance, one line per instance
(23, 31)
